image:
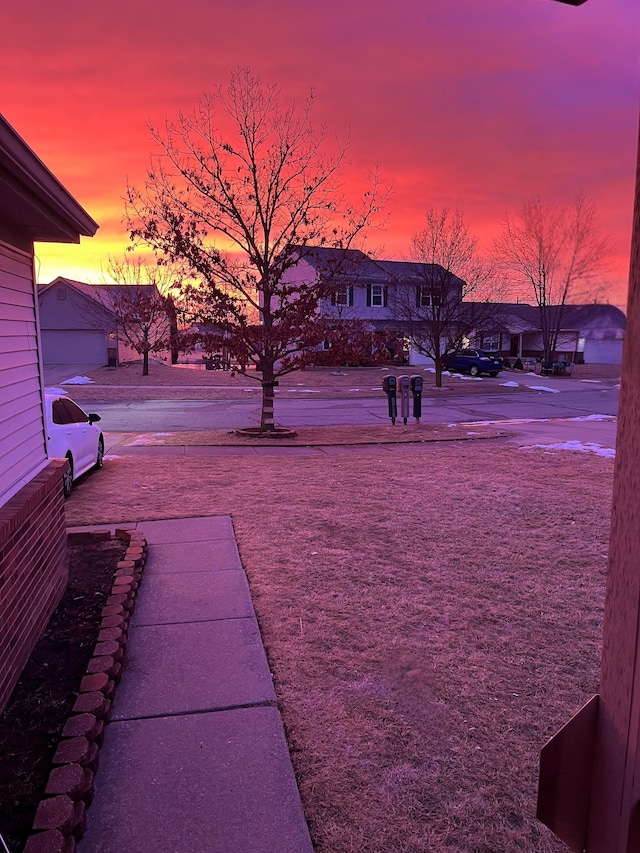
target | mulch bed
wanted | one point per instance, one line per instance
(32, 721)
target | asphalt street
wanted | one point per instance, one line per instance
(178, 415)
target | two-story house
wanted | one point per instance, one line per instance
(386, 295)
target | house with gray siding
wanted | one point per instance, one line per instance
(79, 325)
(590, 334)
(373, 291)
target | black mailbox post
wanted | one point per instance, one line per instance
(389, 388)
(416, 390)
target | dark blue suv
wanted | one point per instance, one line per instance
(474, 362)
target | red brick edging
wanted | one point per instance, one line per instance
(60, 818)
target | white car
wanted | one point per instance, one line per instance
(73, 435)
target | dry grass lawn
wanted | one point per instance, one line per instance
(431, 617)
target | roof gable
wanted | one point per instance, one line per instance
(342, 263)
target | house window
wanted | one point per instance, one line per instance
(491, 342)
(427, 298)
(343, 296)
(376, 296)
(62, 293)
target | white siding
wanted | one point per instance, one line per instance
(22, 438)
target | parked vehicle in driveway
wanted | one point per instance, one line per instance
(72, 434)
(474, 362)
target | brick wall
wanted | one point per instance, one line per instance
(34, 569)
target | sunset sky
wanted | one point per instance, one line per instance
(476, 104)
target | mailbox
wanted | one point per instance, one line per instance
(416, 390)
(389, 388)
(404, 387)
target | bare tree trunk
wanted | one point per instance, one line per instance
(266, 421)
(173, 328)
(438, 365)
(145, 363)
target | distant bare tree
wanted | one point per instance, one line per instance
(450, 293)
(555, 253)
(143, 305)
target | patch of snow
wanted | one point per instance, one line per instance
(596, 381)
(385, 368)
(510, 384)
(141, 439)
(337, 373)
(110, 456)
(355, 389)
(161, 434)
(544, 388)
(594, 418)
(467, 378)
(292, 390)
(250, 390)
(431, 370)
(504, 421)
(55, 390)
(584, 447)
(78, 380)
(309, 391)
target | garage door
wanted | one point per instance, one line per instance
(73, 347)
(603, 352)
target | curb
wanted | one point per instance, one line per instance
(61, 816)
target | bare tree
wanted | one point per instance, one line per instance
(239, 188)
(447, 293)
(555, 253)
(142, 305)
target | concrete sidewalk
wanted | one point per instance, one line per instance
(194, 757)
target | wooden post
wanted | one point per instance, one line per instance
(615, 804)
(589, 792)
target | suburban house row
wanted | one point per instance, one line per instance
(79, 327)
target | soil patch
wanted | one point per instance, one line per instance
(32, 721)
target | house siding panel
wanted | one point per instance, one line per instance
(22, 444)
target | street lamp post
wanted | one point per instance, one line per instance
(589, 790)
